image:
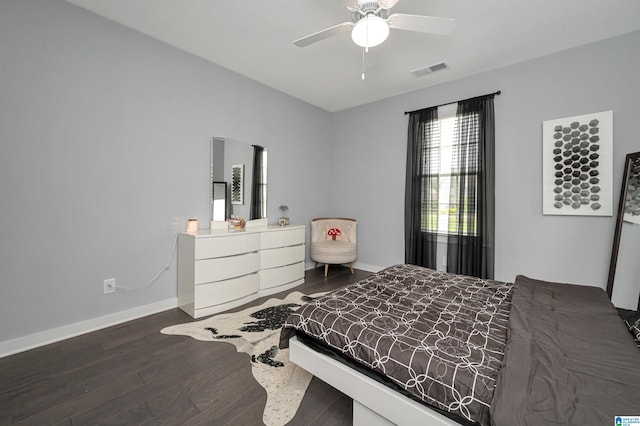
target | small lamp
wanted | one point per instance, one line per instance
(192, 226)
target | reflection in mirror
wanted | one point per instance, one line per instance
(624, 268)
(226, 153)
(259, 183)
(219, 196)
(632, 200)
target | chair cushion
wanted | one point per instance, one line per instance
(329, 251)
(333, 247)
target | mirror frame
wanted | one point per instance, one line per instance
(630, 158)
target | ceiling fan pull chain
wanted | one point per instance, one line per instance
(366, 49)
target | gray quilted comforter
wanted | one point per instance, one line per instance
(441, 337)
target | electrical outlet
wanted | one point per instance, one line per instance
(110, 286)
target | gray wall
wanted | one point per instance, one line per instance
(104, 154)
(369, 154)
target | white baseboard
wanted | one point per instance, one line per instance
(367, 267)
(357, 265)
(21, 344)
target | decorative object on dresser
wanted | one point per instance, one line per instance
(334, 241)
(256, 331)
(237, 224)
(284, 219)
(577, 165)
(192, 226)
(218, 270)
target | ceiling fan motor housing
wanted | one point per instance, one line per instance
(369, 8)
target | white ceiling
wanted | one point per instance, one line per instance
(254, 38)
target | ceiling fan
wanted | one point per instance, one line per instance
(371, 21)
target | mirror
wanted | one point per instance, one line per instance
(240, 170)
(624, 268)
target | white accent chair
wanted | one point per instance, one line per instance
(341, 250)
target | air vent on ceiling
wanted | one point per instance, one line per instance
(429, 69)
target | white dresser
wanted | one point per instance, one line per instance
(219, 270)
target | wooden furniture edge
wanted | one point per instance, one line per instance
(374, 404)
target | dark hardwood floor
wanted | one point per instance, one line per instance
(130, 374)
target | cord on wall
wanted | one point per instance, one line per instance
(152, 280)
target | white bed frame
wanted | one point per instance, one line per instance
(374, 404)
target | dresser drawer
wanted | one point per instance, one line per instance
(230, 245)
(212, 294)
(273, 258)
(279, 276)
(224, 268)
(282, 238)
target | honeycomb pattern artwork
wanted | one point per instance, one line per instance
(576, 165)
(632, 202)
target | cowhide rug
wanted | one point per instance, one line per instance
(256, 331)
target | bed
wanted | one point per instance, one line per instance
(411, 345)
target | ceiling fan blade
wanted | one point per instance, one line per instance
(387, 4)
(351, 4)
(421, 23)
(345, 27)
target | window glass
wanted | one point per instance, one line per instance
(444, 154)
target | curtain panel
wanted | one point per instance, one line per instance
(468, 252)
(257, 184)
(421, 189)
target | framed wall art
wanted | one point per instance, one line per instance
(577, 165)
(237, 184)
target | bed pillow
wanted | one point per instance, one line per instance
(630, 318)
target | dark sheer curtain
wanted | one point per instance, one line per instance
(258, 191)
(470, 251)
(421, 192)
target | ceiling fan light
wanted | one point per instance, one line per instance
(370, 31)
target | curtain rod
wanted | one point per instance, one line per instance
(488, 94)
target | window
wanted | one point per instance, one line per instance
(452, 155)
(449, 191)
